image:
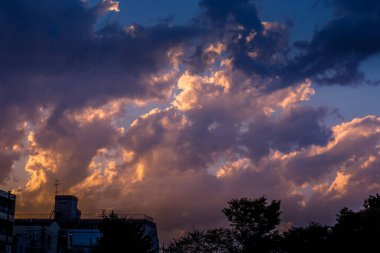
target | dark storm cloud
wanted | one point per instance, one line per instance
(301, 127)
(335, 53)
(53, 51)
(332, 56)
(256, 48)
(224, 13)
(55, 54)
(76, 144)
(366, 7)
(295, 129)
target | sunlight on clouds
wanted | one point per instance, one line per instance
(187, 99)
(300, 191)
(103, 169)
(335, 189)
(368, 162)
(39, 162)
(271, 26)
(283, 156)
(217, 48)
(36, 179)
(357, 128)
(158, 79)
(139, 174)
(339, 186)
(145, 116)
(229, 168)
(302, 93)
(112, 5)
(194, 87)
(175, 55)
(112, 167)
(108, 111)
(294, 95)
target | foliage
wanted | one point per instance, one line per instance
(359, 231)
(253, 225)
(373, 202)
(313, 238)
(123, 235)
(213, 241)
(253, 221)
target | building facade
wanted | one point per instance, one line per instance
(7, 212)
(67, 232)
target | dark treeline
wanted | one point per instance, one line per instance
(254, 228)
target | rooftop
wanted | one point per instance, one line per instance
(5, 194)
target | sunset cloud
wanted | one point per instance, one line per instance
(175, 120)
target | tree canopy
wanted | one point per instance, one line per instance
(123, 235)
(253, 228)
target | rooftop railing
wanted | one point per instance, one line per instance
(84, 216)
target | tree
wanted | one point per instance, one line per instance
(123, 235)
(358, 231)
(372, 202)
(211, 241)
(313, 238)
(253, 223)
(252, 229)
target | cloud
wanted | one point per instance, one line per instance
(174, 121)
(337, 49)
(202, 154)
(55, 55)
(332, 56)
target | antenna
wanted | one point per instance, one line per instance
(56, 184)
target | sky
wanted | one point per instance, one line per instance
(172, 108)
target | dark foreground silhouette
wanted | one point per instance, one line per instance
(253, 228)
(123, 235)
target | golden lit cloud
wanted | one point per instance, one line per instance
(340, 183)
(39, 162)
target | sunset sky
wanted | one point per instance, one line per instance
(173, 107)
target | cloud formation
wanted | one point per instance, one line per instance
(337, 49)
(174, 121)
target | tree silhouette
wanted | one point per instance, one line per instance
(372, 202)
(123, 235)
(253, 223)
(212, 241)
(358, 231)
(313, 238)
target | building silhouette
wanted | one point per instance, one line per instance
(7, 212)
(65, 231)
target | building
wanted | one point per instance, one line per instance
(7, 212)
(35, 236)
(66, 209)
(67, 231)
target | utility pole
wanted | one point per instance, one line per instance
(56, 184)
